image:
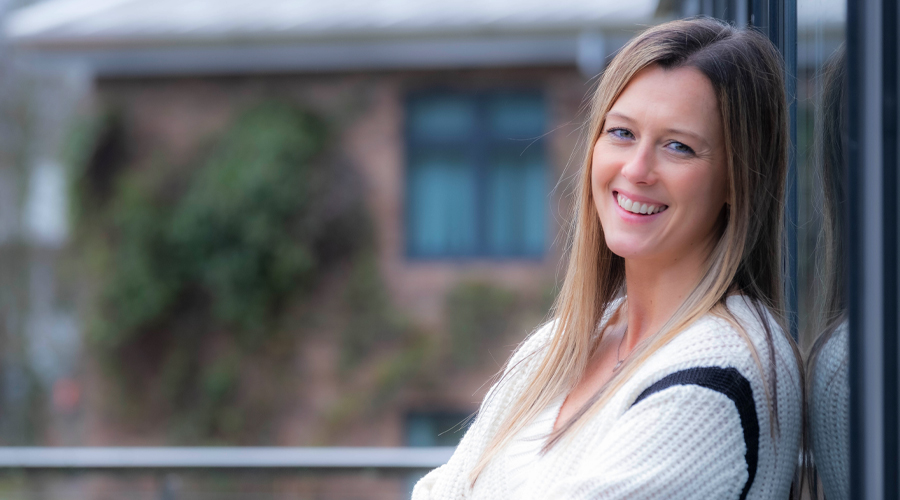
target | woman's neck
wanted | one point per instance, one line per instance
(655, 290)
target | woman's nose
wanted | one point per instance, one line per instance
(640, 168)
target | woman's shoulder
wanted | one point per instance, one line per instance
(741, 344)
(723, 335)
(739, 355)
(761, 328)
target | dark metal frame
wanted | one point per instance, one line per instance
(872, 246)
(891, 247)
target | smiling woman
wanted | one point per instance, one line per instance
(666, 371)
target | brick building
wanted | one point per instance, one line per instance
(461, 120)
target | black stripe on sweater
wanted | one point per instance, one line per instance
(731, 383)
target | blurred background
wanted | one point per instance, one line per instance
(298, 223)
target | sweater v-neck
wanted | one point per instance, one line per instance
(523, 455)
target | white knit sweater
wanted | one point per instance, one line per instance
(682, 427)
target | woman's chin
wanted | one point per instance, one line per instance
(631, 250)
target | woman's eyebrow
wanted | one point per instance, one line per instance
(616, 114)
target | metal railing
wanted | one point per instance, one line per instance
(166, 463)
(150, 458)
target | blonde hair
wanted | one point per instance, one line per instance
(745, 71)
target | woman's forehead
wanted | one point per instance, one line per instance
(680, 99)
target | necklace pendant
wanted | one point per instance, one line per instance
(618, 364)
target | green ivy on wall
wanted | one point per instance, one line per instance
(213, 251)
(240, 234)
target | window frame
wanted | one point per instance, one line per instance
(873, 284)
(478, 151)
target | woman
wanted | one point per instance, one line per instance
(666, 372)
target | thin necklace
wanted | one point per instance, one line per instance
(619, 348)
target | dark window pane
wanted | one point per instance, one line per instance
(442, 118)
(516, 116)
(441, 206)
(517, 196)
(435, 428)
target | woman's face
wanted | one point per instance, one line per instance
(658, 171)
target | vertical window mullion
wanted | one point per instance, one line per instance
(481, 155)
(788, 28)
(866, 231)
(890, 253)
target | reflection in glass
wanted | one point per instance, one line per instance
(829, 389)
(823, 322)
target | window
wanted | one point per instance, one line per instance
(476, 180)
(433, 428)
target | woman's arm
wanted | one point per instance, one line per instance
(682, 442)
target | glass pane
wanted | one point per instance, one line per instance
(514, 116)
(441, 206)
(442, 118)
(822, 317)
(435, 428)
(517, 206)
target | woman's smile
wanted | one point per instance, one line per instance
(637, 208)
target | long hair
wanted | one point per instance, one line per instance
(745, 71)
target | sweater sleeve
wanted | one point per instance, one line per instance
(682, 442)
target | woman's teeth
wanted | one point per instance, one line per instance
(639, 208)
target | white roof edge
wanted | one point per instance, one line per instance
(57, 23)
(64, 42)
(45, 15)
(587, 51)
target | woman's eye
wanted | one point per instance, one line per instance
(680, 147)
(621, 133)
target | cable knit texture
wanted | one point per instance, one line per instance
(682, 442)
